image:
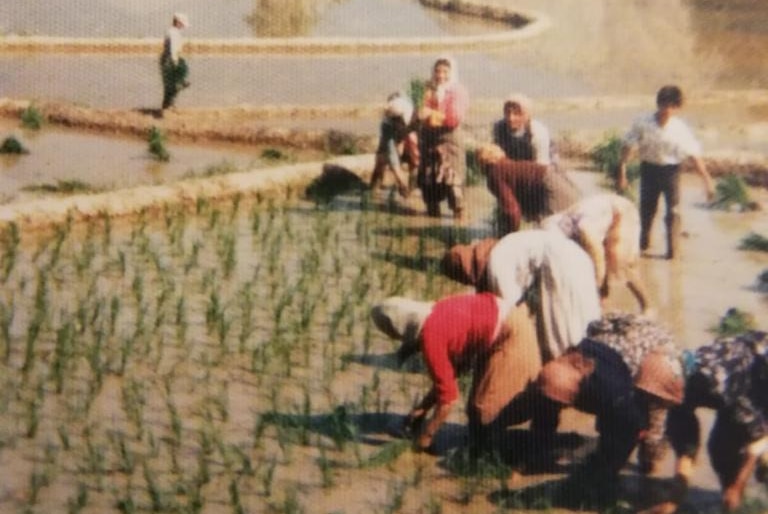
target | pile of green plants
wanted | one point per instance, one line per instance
(32, 118)
(754, 241)
(606, 157)
(156, 140)
(12, 146)
(734, 322)
(732, 193)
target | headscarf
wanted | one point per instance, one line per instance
(467, 263)
(402, 318)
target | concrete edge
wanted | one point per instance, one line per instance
(279, 183)
(536, 23)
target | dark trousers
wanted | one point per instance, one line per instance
(656, 180)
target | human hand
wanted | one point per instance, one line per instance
(414, 422)
(731, 499)
(424, 441)
(661, 508)
(710, 191)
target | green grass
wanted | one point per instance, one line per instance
(62, 187)
(13, 146)
(734, 322)
(732, 192)
(32, 118)
(156, 140)
(754, 241)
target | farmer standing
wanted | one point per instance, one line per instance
(173, 68)
(664, 141)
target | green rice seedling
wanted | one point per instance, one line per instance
(734, 322)
(80, 501)
(387, 454)
(291, 503)
(434, 505)
(227, 250)
(32, 118)
(606, 157)
(10, 241)
(63, 437)
(133, 404)
(127, 460)
(396, 494)
(268, 476)
(63, 352)
(62, 187)
(157, 497)
(156, 141)
(732, 193)
(246, 315)
(12, 146)
(37, 480)
(126, 504)
(326, 469)
(755, 242)
(234, 498)
(7, 313)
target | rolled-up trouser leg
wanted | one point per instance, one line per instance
(503, 376)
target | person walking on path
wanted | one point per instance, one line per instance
(173, 68)
(664, 142)
(442, 168)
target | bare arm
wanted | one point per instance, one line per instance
(621, 179)
(701, 169)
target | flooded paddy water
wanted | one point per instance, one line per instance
(218, 356)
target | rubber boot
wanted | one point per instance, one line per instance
(672, 223)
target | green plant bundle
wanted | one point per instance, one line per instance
(416, 88)
(732, 192)
(606, 157)
(13, 146)
(754, 241)
(156, 140)
(734, 322)
(64, 187)
(32, 118)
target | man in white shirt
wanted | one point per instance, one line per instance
(664, 142)
(173, 68)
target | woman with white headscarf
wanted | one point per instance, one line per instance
(521, 168)
(442, 167)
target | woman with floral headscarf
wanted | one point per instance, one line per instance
(442, 167)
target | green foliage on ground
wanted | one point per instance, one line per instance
(157, 149)
(606, 157)
(12, 146)
(754, 241)
(734, 322)
(65, 187)
(732, 192)
(32, 118)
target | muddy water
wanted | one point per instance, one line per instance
(250, 323)
(603, 47)
(108, 163)
(240, 18)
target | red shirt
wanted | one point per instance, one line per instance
(458, 328)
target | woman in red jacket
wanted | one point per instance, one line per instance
(476, 333)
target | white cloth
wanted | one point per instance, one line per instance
(172, 44)
(670, 144)
(568, 296)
